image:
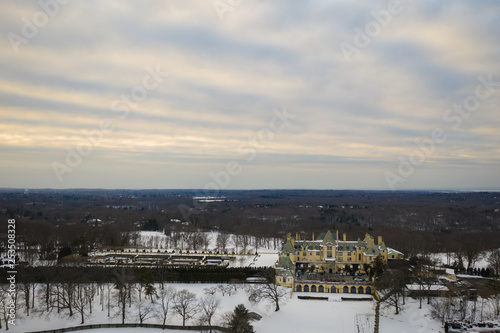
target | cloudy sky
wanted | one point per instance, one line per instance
(250, 94)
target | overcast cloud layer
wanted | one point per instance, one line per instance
(292, 94)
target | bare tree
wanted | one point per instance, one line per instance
(494, 303)
(222, 241)
(245, 241)
(222, 289)
(237, 242)
(186, 236)
(426, 279)
(6, 305)
(165, 300)
(144, 311)
(109, 288)
(123, 285)
(225, 318)
(175, 238)
(64, 294)
(121, 298)
(391, 284)
(26, 292)
(45, 293)
(463, 307)
(185, 305)
(227, 289)
(205, 240)
(441, 308)
(210, 290)
(209, 306)
(81, 300)
(494, 262)
(472, 252)
(268, 291)
(91, 292)
(494, 299)
(419, 274)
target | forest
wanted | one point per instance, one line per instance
(412, 222)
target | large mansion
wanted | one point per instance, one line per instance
(330, 264)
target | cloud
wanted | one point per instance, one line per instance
(226, 78)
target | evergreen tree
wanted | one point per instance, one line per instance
(151, 225)
(240, 321)
(65, 251)
(378, 267)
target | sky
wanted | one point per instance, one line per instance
(241, 94)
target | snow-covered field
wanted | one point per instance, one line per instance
(157, 243)
(342, 317)
(296, 315)
(131, 330)
(158, 240)
(448, 259)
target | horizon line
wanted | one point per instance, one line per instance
(470, 190)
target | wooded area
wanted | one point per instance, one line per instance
(412, 222)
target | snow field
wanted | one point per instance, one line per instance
(295, 316)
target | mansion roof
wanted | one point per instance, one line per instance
(292, 246)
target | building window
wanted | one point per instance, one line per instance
(341, 259)
(359, 257)
(329, 254)
(349, 259)
(304, 253)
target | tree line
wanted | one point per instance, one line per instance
(412, 221)
(132, 295)
(201, 274)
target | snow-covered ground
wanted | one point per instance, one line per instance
(348, 316)
(295, 316)
(132, 330)
(157, 243)
(448, 259)
(158, 240)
